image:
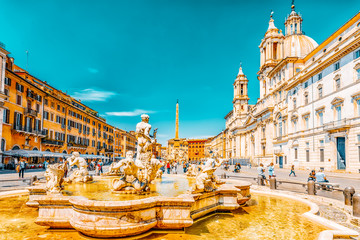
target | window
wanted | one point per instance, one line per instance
(320, 92)
(307, 122)
(321, 142)
(306, 84)
(46, 115)
(357, 54)
(6, 92)
(6, 115)
(358, 138)
(358, 106)
(358, 74)
(294, 103)
(321, 155)
(52, 117)
(337, 84)
(338, 113)
(296, 153)
(8, 81)
(307, 155)
(58, 107)
(319, 76)
(18, 100)
(18, 120)
(19, 87)
(321, 118)
(37, 107)
(306, 99)
(46, 102)
(295, 125)
(337, 66)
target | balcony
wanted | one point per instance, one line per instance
(76, 145)
(28, 130)
(52, 142)
(109, 150)
(337, 126)
(31, 112)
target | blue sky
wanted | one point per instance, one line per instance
(126, 57)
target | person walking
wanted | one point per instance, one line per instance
(45, 164)
(22, 168)
(292, 171)
(168, 167)
(100, 166)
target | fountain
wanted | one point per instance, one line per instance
(81, 174)
(146, 207)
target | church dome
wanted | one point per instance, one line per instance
(298, 45)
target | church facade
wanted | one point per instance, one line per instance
(308, 113)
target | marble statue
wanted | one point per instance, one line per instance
(192, 171)
(144, 140)
(140, 173)
(54, 176)
(114, 169)
(182, 155)
(81, 174)
(133, 180)
(206, 181)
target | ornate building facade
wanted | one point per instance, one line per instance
(38, 117)
(308, 113)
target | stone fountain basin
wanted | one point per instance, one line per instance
(126, 218)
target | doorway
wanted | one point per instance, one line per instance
(281, 162)
(340, 153)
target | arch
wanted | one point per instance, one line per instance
(15, 147)
(64, 152)
(48, 150)
(295, 143)
(337, 76)
(35, 149)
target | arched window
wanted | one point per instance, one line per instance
(16, 148)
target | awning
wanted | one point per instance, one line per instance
(32, 153)
(22, 153)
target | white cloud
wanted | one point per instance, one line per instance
(134, 113)
(92, 95)
(93, 70)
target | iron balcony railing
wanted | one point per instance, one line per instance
(28, 129)
(343, 123)
(52, 142)
(31, 112)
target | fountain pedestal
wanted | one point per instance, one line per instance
(127, 218)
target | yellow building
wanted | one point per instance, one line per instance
(38, 117)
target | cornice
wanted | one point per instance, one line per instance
(337, 56)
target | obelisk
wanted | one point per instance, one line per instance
(177, 121)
